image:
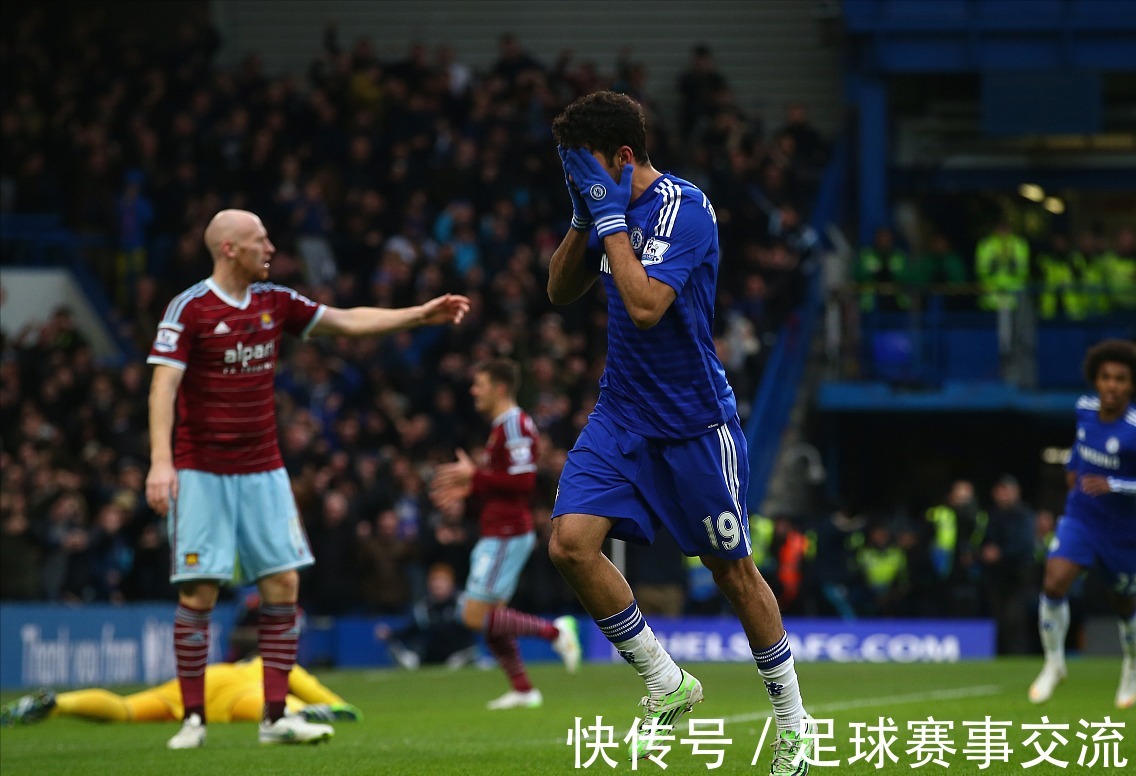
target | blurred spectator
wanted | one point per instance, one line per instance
(700, 88)
(937, 270)
(1063, 277)
(957, 528)
(384, 580)
(1002, 267)
(435, 634)
(882, 566)
(1010, 568)
(658, 575)
(882, 270)
(1118, 267)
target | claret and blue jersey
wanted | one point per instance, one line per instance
(656, 379)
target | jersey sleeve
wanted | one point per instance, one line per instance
(682, 238)
(520, 441)
(173, 339)
(300, 313)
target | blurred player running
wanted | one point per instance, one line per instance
(504, 483)
(1099, 524)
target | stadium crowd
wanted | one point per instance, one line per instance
(381, 182)
(388, 182)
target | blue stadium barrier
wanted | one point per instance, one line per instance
(104, 645)
(777, 390)
(695, 639)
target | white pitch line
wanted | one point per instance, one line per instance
(977, 691)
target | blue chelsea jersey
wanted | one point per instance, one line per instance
(1108, 450)
(666, 382)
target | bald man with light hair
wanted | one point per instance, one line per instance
(215, 466)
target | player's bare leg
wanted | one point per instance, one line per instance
(757, 610)
(576, 549)
(1053, 625)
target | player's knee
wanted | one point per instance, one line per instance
(282, 588)
(472, 613)
(732, 575)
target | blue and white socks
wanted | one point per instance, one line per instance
(775, 666)
(1053, 625)
(636, 642)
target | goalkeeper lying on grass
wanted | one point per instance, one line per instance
(233, 693)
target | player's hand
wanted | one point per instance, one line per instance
(449, 500)
(457, 474)
(581, 216)
(161, 486)
(1095, 485)
(607, 199)
(448, 308)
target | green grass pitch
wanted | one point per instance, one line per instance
(434, 721)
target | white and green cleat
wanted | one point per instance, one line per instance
(294, 730)
(791, 753)
(662, 714)
(567, 642)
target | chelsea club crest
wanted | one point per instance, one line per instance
(636, 239)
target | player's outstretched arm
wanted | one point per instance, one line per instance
(376, 321)
(161, 481)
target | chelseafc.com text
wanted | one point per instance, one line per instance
(930, 742)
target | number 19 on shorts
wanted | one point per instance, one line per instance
(725, 532)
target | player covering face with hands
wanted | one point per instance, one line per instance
(663, 449)
(215, 464)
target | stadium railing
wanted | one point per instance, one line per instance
(777, 390)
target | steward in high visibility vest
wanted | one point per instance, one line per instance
(1118, 267)
(1062, 276)
(883, 569)
(881, 264)
(1002, 268)
(958, 527)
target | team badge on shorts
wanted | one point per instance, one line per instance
(192, 559)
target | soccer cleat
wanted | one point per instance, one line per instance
(791, 753)
(191, 735)
(664, 713)
(567, 643)
(294, 730)
(28, 709)
(331, 712)
(1046, 682)
(517, 700)
(1126, 692)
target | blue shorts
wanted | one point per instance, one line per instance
(218, 518)
(495, 566)
(694, 487)
(1078, 542)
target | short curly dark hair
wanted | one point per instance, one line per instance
(1115, 351)
(603, 121)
